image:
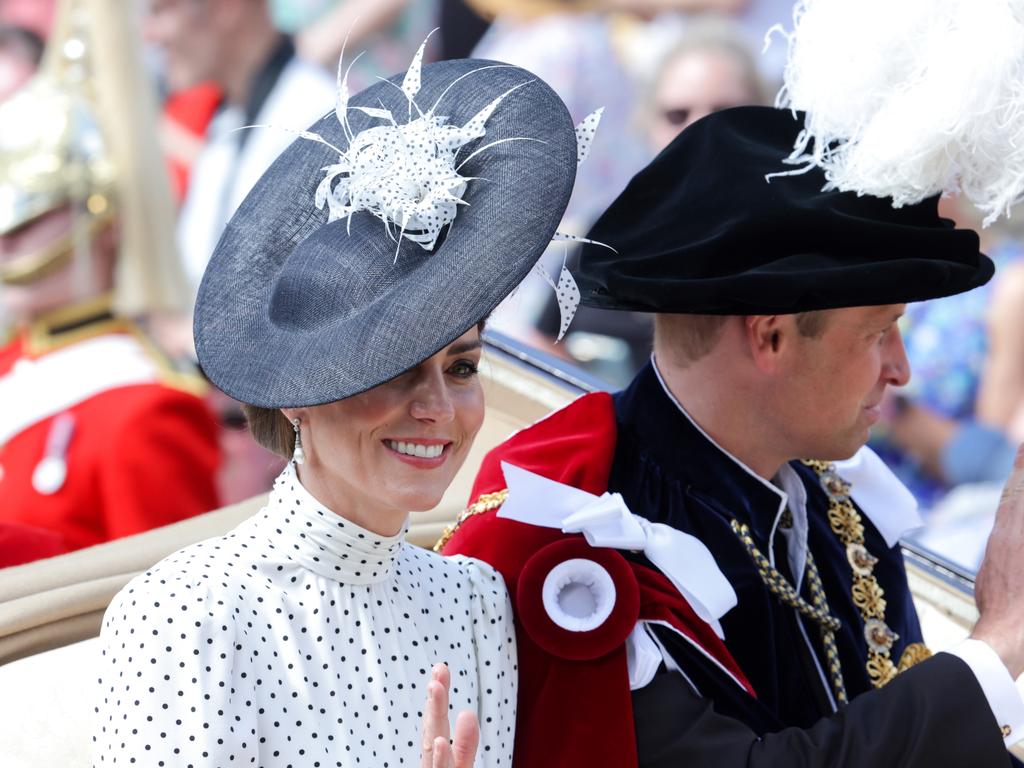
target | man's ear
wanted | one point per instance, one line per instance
(766, 337)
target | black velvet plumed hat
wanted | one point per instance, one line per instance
(701, 230)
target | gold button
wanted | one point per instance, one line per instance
(1007, 730)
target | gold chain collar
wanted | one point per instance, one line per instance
(868, 595)
(485, 503)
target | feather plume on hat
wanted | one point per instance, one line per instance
(911, 99)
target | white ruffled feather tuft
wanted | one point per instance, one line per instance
(911, 98)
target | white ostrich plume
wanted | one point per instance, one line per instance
(911, 98)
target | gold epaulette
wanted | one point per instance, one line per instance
(71, 324)
(94, 318)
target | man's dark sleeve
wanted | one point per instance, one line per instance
(933, 715)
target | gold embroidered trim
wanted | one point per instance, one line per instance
(485, 503)
(867, 593)
(913, 654)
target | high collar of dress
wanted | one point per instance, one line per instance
(323, 541)
(672, 439)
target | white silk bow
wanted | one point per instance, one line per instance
(605, 521)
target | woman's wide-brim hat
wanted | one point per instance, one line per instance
(302, 305)
(709, 227)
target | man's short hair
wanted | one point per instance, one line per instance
(688, 338)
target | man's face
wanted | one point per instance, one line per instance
(186, 32)
(832, 384)
(24, 303)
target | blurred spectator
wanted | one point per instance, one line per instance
(755, 20)
(20, 51)
(20, 544)
(656, 24)
(33, 15)
(967, 351)
(99, 437)
(1002, 395)
(711, 68)
(574, 53)
(235, 45)
(186, 117)
(290, 16)
(950, 436)
(385, 32)
(461, 28)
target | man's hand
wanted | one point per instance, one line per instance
(999, 587)
(437, 751)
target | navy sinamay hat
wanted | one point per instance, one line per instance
(700, 230)
(296, 310)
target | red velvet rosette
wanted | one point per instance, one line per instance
(577, 602)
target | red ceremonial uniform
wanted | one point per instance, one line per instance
(98, 439)
(575, 709)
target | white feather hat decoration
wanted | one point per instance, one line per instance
(912, 98)
(406, 170)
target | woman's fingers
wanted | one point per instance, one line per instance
(467, 739)
(436, 751)
(441, 673)
(442, 754)
(435, 725)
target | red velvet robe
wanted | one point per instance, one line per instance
(575, 709)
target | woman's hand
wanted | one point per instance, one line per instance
(437, 751)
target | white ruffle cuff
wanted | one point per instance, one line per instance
(578, 595)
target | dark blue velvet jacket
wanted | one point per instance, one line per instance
(669, 472)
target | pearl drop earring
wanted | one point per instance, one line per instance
(299, 456)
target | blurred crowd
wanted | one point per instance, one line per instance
(98, 256)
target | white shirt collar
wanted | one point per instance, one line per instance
(796, 537)
(881, 496)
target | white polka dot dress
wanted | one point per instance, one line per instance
(300, 639)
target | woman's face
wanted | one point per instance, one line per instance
(374, 457)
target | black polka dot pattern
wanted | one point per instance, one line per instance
(407, 175)
(585, 132)
(301, 639)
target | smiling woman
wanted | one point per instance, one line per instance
(426, 418)
(378, 455)
(311, 634)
